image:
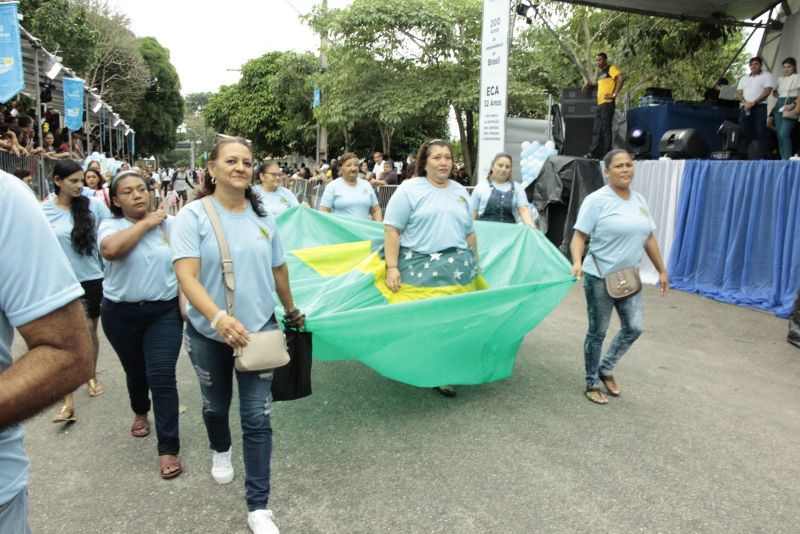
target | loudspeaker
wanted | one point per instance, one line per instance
(577, 135)
(683, 144)
(578, 108)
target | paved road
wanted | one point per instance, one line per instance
(704, 439)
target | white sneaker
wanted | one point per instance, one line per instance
(261, 522)
(222, 468)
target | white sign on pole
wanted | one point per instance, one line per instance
(494, 83)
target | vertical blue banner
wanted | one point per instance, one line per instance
(133, 146)
(12, 79)
(315, 104)
(73, 103)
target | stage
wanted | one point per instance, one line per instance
(728, 230)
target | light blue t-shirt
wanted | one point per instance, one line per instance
(85, 267)
(618, 230)
(278, 201)
(255, 249)
(431, 218)
(482, 192)
(355, 200)
(146, 273)
(37, 279)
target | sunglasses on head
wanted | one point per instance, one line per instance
(221, 138)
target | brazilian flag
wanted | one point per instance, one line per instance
(432, 331)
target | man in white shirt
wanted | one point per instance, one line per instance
(377, 157)
(753, 91)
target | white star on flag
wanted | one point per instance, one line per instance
(466, 263)
(412, 273)
(427, 265)
(436, 256)
(435, 274)
(419, 275)
(457, 274)
(450, 260)
(409, 255)
(460, 251)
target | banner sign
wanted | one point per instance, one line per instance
(315, 104)
(12, 79)
(494, 83)
(133, 145)
(73, 103)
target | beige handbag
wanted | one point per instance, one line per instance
(623, 283)
(265, 350)
(793, 113)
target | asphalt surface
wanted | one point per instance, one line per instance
(705, 438)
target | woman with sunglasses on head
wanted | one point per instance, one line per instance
(430, 240)
(499, 199)
(75, 219)
(141, 318)
(349, 194)
(260, 270)
(275, 198)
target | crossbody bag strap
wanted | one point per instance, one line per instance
(224, 253)
(597, 265)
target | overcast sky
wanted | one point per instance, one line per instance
(205, 40)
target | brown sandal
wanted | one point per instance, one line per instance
(595, 395)
(170, 468)
(140, 427)
(610, 384)
(65, 415)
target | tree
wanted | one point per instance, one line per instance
(160, 110)
(429, 48)
(271, 104)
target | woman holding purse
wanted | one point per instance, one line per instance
(618, 221)
(212, 335)
(786, 111)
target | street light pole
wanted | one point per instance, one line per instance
(322, 131)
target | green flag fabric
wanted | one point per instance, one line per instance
(336, 274)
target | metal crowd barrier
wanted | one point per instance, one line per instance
(41, 169)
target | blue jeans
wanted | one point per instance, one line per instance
(147, 339)
(754, 126)
(784, 128)
(599, 306)
(213, 363)
(14, 515)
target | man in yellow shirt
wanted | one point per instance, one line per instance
(609, 83)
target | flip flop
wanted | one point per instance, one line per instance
(595, 395)
(166, 465)
(140, 428)
(611, 385)
(93, 388)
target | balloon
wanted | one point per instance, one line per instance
(525, 145)
(550, 144)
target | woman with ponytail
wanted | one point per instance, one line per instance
(75, 219)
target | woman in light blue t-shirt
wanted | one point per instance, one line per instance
(260, 271)
(349, 194)
(275, 198)
(75, 220)
(430, 239)
(618, 221)
(140, 311)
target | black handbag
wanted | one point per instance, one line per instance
(293, 380)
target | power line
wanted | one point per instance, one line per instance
(290, 5)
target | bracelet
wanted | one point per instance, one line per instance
(220, 314)
(391, 267)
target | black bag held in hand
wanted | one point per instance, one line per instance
(293, 381)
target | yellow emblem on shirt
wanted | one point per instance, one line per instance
(264, 232)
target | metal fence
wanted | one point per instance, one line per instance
(41, 169)
(310, 191)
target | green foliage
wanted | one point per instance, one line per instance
(64, 29)
(160, 111)
(196, 101)
(271, 104)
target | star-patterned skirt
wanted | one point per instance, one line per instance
(453, 266)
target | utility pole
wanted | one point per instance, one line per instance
(322, 131)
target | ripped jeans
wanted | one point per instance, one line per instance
(213, 363)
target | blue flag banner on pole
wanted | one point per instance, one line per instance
(133, 145)
(73, 103)
(12, 79)
(316, 97)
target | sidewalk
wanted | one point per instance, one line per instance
(704, 439)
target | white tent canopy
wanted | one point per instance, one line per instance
(740, 10)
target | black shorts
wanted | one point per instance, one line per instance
(183, 194)
(93, 294)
